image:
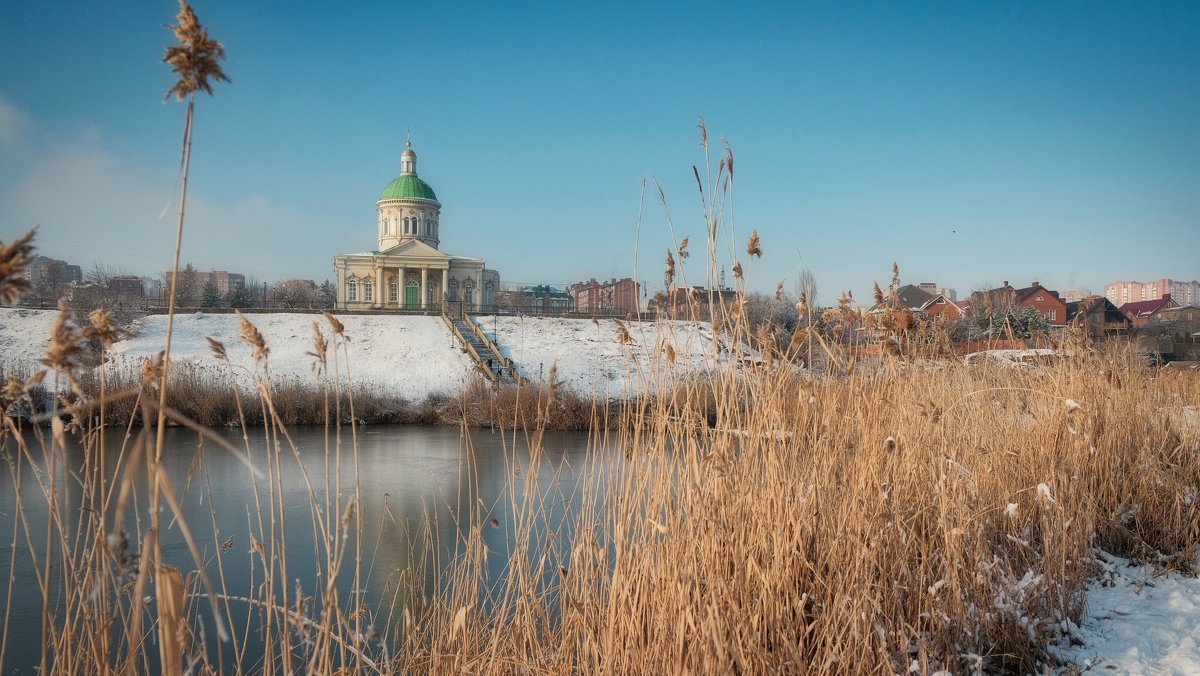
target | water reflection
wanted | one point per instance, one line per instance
(408, 479)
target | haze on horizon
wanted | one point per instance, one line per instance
(972, 144)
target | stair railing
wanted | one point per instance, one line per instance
(501, 359)
(475, 357)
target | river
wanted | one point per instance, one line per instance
(408, 477)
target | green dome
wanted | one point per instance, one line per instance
(408, 187)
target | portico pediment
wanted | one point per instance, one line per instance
(415, 249)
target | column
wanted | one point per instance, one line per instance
(424, 283)
(401, 299)
(445, 287)
(378, 285)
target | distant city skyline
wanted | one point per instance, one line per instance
(971, 144)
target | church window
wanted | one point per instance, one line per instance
(453, 290)
(469, 291)
(406, 226)
(368, 291)
(387, 227)
(393, 291)
(352, 290)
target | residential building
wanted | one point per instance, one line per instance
(1142, 312)
(1098, 316)
(1045, 301)
(617, 295)
(1121, 292)
(52, 270)
(1075, 295)
(695, 302)
(927, 299)
(224, 280)
(1186, 314)
(127, 286)
(407, 270)
(536, 299)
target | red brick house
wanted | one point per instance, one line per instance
(941, 305)
(930, 303)
(1046, 302)
(620, 295)
(682, 302)
(1142, 311)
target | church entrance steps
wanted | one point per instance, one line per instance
(485, 353)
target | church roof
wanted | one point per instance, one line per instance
(409, 187)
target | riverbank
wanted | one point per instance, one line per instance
(895, 518)
(400, 369)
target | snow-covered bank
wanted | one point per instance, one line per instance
(1139, 621)
(24, 336)
(407, 356)
(590, 358)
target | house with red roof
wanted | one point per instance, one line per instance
(1045, 301)
(1142, 312)
(929, 302)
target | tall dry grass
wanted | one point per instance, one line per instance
(945, 516)
(903, 515)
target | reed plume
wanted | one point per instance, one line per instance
(14, 259)
(196, 59)
(103, 329)
(250, 335)
(66, 350)
(336, 325)
(752, 246)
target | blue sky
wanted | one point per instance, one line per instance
(971, 142)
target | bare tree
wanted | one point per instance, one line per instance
(294, 293)
(102, 273)
(806, 304)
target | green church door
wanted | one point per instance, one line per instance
(412, 297)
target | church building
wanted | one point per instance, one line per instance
(408, 271)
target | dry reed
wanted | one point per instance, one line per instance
(916, 515)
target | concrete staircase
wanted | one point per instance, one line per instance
(484, 352)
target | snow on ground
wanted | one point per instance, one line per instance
(410, 356)
(24, 335)
(1012, 357)
(589, 357)
(1138, 622)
